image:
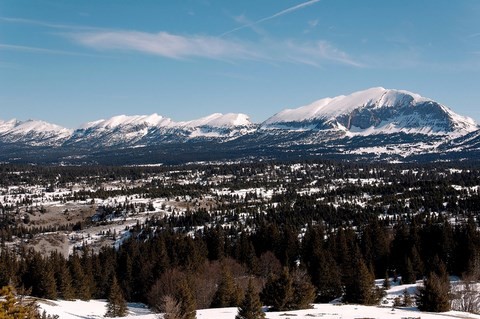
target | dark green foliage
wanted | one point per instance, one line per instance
(251, 307)
(344, 245)
(408, 275)
(359, 286)
(66, 291)
(47, 284)
(321, 266)
(304, 292)
(116, 306)
(187, 301)
(228, 293)
(278, 291)
(386, 282)
(288, 291)
(434, 296)
(328, 279)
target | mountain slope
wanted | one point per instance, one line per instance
(140, 130)
(33, 133)
(374, 111)
(378, 123)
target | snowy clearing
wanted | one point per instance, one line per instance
(96, 309)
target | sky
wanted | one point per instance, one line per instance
(69, 62)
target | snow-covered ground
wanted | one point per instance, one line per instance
(97, 309)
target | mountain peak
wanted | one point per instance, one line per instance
(375, 110)
(220, 120)
(344, 104)
(128, 120)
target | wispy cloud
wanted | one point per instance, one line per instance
(164, 44)
(46, 24)
(176, 46)
(317, 53)
(273, 16)
(181, 46)
(22, 48)
(242, 19)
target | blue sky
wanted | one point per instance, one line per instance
(70, 62)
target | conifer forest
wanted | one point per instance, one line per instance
(283, 235)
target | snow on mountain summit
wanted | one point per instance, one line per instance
(125, 120)
(220, 120)
(344, 104)
(155, 120)
(376, 110)
(33, 132)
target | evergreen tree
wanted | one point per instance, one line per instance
(76, 269)
(65, 284)
(278, 291)
(12, 308)
(303, 290)
(327, 278)
(187, 301)
(228, 294)
(321, 266)
(116, 306)
(47, 284)
(251, 307)
(408, 275)
(288, 291)
(359, 287)
(434, 296)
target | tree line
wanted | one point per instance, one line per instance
(289, 268)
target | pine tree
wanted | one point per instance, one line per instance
(328, 278)
(47, 284)
(228, 294)
(278, 291)
(434, 296)
(63, 278)
(408, 275)
(359, 287)
(12, 308)
(187, 301)
(251, 307)
(116, 306)
(76, 270)
(303, 290)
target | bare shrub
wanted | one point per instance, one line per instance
(171, 308)
(166, 285)
(466, 296)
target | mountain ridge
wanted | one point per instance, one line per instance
(377, 120)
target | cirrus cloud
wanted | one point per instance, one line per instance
(176, 46)
(163, 44)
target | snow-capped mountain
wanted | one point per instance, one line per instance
(140, 130)
(33, 133)
(374, 111)
(376, 123)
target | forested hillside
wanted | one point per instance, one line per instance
(297, 232)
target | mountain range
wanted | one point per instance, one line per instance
(374, 124)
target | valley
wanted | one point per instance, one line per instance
(248, 220)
